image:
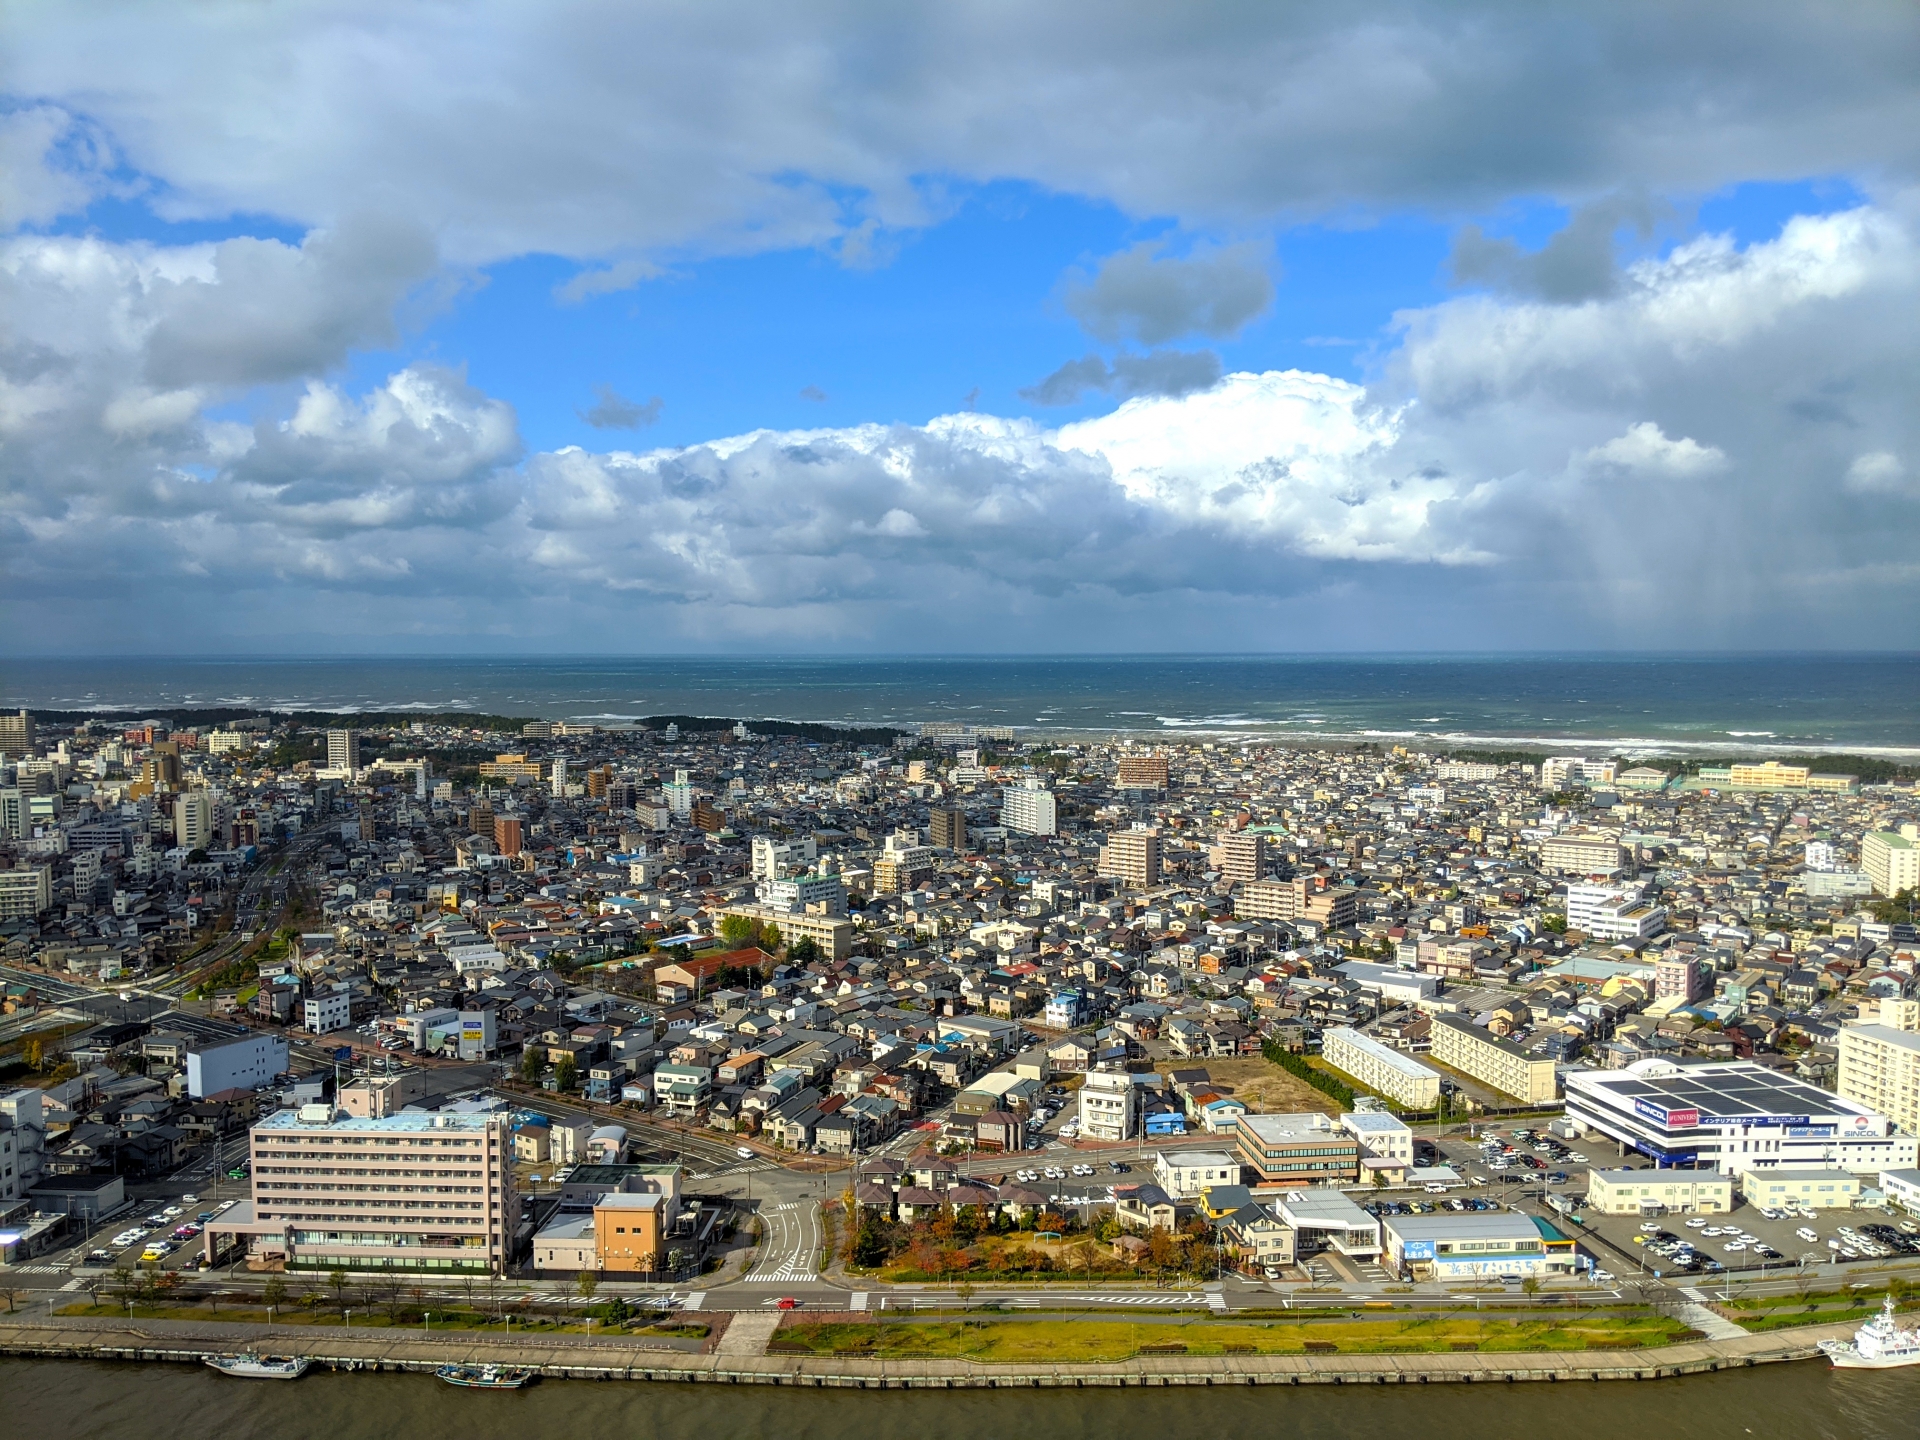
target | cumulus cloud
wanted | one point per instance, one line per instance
(1628, 470)
(1160, 372)
(600, 131)
(614, 411)
(1145, 295)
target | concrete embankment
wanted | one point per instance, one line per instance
(615, 1359)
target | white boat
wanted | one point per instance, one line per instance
(1880, 1344)
(485, 1377)
(260, 1367)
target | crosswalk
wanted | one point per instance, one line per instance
(39, 1269)
(790, 1272)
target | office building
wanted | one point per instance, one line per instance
(243, 1064)
(1141, 772)
(13, 813)
(408, 1192)
(326, 1012)
(1381, 1068)
(1609, 912)
(1029, 810)
(1659, 1192)
(1733, 1116)
(1132, 857)
(1891, 859)
(1491, 1244)
(343, 750)
(558, 777)
(1303, 1149)
(947, 828)
(1880, 1064)
(25, 892)
(193, 820)
(1485, 1057)
(1813, 1189)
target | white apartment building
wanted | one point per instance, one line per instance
(1381, 1068)
(679, 795)
(1186, 1174)
(193, 820)
(1559, 771)
(324, 1013)
(1610, 912)
(1892, 860)
(1109, 1106)
(1880, 1063)
(416, 1192)
(343, 750)
(1029, 810)
(1583, 854)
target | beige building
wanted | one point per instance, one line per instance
(413, 1192)
(1141, 772)
(1671, 1192)
(1815, 1189)
(1132, 857)
(1487, 1058)
(1880, 1064)
(1240, 858)
(831, 933)
(1583, 855)
(1891, 860)
(1381, 1068)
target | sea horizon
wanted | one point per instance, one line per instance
(1633, 702)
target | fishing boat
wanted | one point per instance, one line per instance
(250, 1366)
(485, 1377)
(1880, 1344)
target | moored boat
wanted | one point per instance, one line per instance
(485, 1377)
(250, 1366)
(1880, 1344)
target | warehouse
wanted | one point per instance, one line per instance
(1733, 1116)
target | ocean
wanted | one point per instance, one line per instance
(1631, 704)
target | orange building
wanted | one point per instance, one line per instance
(626, 1232)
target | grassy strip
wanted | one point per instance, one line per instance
(406, 1318)
(1082, 1340)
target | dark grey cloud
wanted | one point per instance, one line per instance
(606, 132)
(814, 394)
(1578, 263)
(613, 411)
(1159, 372)
(1142, 294)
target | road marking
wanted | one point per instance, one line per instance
(697, 1300)
(859, 1301)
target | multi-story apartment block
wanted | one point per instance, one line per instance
(1880, 1063)
(1381, 1068)
(1029, 810)
(1484, 1056)
(1132, 857)
(1891, 859)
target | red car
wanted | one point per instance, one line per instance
(787, 1302)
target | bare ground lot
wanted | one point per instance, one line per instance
(1264, 1086)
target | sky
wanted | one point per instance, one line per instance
(973, 328)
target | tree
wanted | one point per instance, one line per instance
(126, 1282)
(531, 1064)
(275, 1292)
(738, 929)
(770, 936)
(563, 1073)
(585, 1283)
(337, 1279)
(803, 951)
(12, 1291)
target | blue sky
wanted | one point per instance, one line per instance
(305, 351)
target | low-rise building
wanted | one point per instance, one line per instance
(1812, 1189)
(1381, 1068)
(1289, 1150)
(1495, 1243)
(1185, 1174)
(1659, 1192)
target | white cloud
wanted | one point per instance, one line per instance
(1707, 450)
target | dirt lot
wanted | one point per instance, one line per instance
(1263, 1085)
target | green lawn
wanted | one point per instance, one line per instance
(1098, 1340)
(408, 1317)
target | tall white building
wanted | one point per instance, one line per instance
(559, 777)
(679, 794)
(1880, 1063)
(773, 858)
(343, 750)
(193, 820)
(1029, 810)
(1821, 856)
(1892, 860)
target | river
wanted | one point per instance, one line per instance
(55, 1400)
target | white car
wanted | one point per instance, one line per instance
(1649, 1228)
(1696, 1224)
(1807, 1235)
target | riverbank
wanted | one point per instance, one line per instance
(581, 1358)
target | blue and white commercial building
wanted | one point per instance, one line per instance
(1734, 1116)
